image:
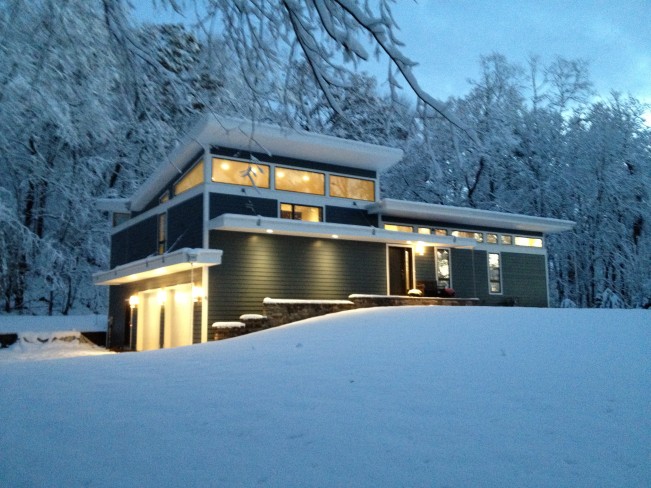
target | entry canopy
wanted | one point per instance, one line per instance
(182, 260)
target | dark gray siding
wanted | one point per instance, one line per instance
(256, 266)
(135, 242)
(524, 278)
(119, 298)
(352, 216)
(221, 204)
(185, 224)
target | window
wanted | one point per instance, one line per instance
(424, 230)
(301, 212)
(162, 233)
(354, 188)
(528, 241)
(240, 173)
(441, 232)
(300, 181)
(478, 236)
(165, 197)
(506, 240)
(399, 228)
(190, 179)
(443, 269)
(494, 273)
(491, 238)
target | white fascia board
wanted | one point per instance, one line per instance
(324, 230)
(273, 140)
(161, 265)
(468, 216)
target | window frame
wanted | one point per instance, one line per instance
(293, 211)
(161, 233)
(436, 267)
(500, 280)
(371, 181)
(217, 160)
(192, 168)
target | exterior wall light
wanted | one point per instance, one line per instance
(133, 301)
(197, 293)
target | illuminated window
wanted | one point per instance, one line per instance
(424, 230)
(301, 212)
(443, 269)
(506, 240)
(528, 241)
(300, 181)
(491, 238)
(354, 188)
(162, 233)
(478, 236)
(494, 273)
(399, 228)
(240, 173)
(164, 197)
(189, 180)
(441, 232)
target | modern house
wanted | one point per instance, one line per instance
(240, 211)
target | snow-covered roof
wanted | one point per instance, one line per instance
(468, 216)
(164, 264)
(273, 140)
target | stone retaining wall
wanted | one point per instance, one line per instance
(368, 301)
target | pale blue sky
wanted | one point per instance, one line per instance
(447, 38)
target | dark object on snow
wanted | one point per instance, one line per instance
(647, 306)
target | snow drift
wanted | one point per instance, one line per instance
(412, 396)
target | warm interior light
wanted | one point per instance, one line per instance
(161, 297)
(306, 178)
(408, 242)
(280, 174)
(133, 301)
(225, 166)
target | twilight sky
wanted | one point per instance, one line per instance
(447, 38)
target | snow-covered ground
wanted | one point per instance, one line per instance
(411, 396)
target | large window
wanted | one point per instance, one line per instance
(494, 273)
(300, 181)
(240, 173)
(190, 179)
(443, 275)
(353, 188)
(301, 212)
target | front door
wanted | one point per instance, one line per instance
(400, 270)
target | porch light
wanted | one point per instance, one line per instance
(270, 231)
(335, 236)
(420, 248)
(197, 293)
(133, 301)
(161, 297)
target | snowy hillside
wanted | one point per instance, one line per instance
(418, 396)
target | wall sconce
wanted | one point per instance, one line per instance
(197, 294)
(133, 301)
(420, 248)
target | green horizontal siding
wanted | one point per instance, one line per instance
(255, 266)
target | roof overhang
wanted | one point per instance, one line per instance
(273, 140)
(165, 264)
(324, 230)
(468, 216)
(116, 205)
